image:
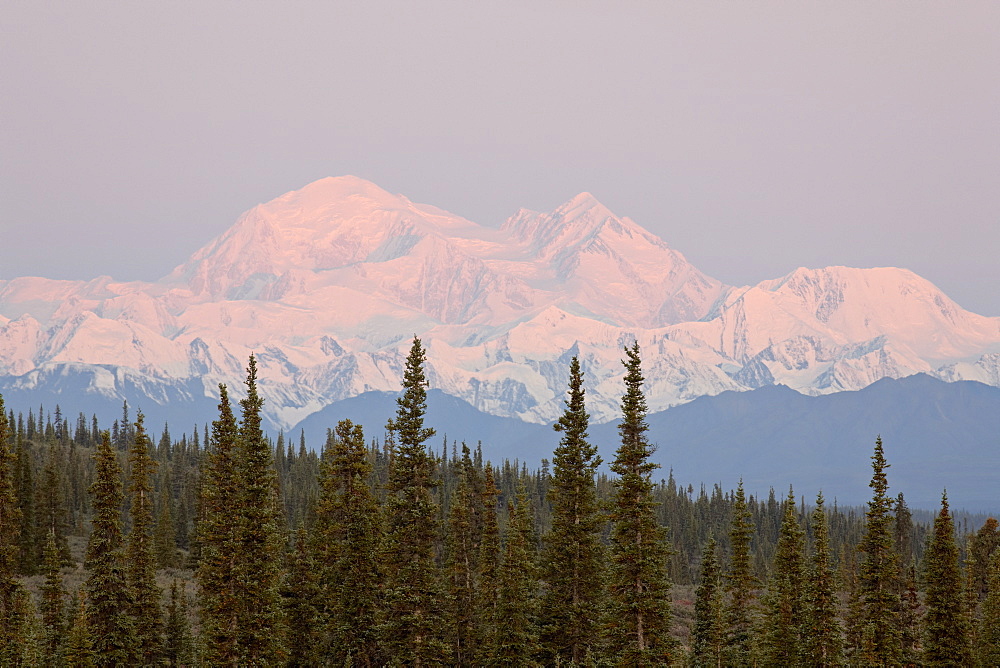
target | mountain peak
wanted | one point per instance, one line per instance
(345, 194)
(579, 204)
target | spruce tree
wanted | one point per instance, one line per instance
(462, 570)
(910, 619)
(639, 633)
(709, 629)
(79, 651)
(346, 538)
(783, 613)
(10, 528)
(218, 540)
(302, 603)
(259, 566)
(946, 624)
(29, 548)
(573, 561)
(491, 625)
(739, 612)
(517, 607)
(988, 636)
(880, 635)
(23, 632)
(53, 604)
(412, 628)
(110, 600)
(821, 632)
(164, 534)
(981, 546)
(177, 646)
(141, 562)
(50, 506)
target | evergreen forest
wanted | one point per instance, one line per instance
(215, 545)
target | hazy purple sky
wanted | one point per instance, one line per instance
(753, 137)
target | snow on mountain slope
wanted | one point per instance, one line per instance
(612, 267)
(840, 328)
(328, 284)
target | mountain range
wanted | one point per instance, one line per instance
(328, 285)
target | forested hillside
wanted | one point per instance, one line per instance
(209, 544)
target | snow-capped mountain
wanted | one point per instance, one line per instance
(328, 284)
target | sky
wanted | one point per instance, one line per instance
(753, 137)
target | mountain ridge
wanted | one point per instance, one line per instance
(329, 283)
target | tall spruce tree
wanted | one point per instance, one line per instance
(79, 652)
(301, 597)
(880, 635)
(821, 632)
(260, 565)
(462, 568)
(218, 539)
(709, 629)
(910, 620)
(51, 506)
(346, 538)
(988, 635)
(110, 599)
(639, 633)
(946, 624)
(740, 607)
(573, 568)
(164, 533)
(491, 625)
(412, 628)
(517, 643)
(141, 562)
(24, 476)
(783, 614)
(10, 528)
(178, 645)
(53, 604)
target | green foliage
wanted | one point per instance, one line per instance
(23, 634)
(164, 534)
(259, 565)
(110, 598)
(141, 561)
(740, 609)
(821, 631)
(414, 620)
(218, 539)
(462, 564)
(51, 505)
(178, 648)
(879, 624)
(484, 606)
(10, 528)
(946, 624)
(573, 558)
(79, 648)
(982, 546)
(640, 621)
(346, 538)
(492, 625)
(708, 634)
(53, 604)
(301, 593)
(988, 636)
(517, 606)
(24, 483)
(783, 615)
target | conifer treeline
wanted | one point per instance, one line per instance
(223, 548)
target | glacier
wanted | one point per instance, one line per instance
(327, 285)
